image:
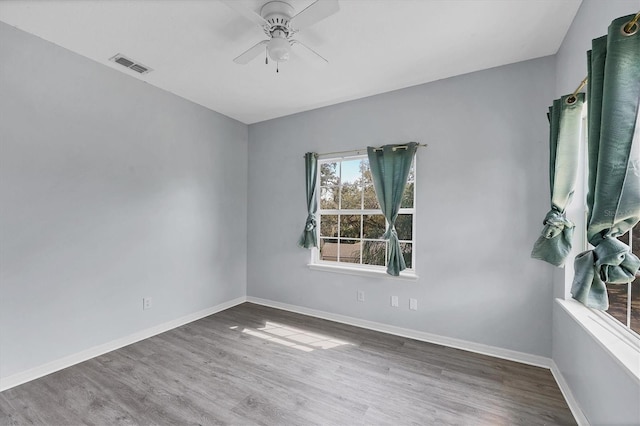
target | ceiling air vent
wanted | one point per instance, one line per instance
(127, 62)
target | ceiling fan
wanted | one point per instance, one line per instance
(280, 23)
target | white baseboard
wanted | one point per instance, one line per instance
(521, 357)
(581, 419)
(59, 364)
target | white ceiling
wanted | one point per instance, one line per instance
(373, 46)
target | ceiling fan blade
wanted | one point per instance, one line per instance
(250, 53)
(246, 12)
(294, 42)
(315, 12)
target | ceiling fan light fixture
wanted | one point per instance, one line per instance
(279, 49)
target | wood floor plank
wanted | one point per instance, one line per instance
(257, 365)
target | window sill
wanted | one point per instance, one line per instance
(623, 346)
(404, 276)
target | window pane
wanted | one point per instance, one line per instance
(624, 238)
(407, 251)
(350, 226)
(328, 249)
(329, 198)
(618, 293)
(618, 302)
(373, 226)
(370, 200)
(350, 251)
(351, 196)
(412, 174)
(374, 253)
(407, 196)
(329, 225)
(366, 172)
(635, 299)
(329, 174)
(404, 226)
(350, 172)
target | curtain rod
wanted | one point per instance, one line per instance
(377, 148)
(628, 28)
(571, 99)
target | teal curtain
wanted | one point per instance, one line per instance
(309, 238)
(390, 166)
(565, 120)
(614, 164)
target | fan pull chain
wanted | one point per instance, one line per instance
(277, 63)
(266, 56)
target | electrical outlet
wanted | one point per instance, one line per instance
(146, 303)
(413, 304)
(360, 296)
(394, 301)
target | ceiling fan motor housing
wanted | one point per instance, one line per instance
(277, 13)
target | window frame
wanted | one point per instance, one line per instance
(621, 343)
(609, 317)
(358, 268)
(605, 320)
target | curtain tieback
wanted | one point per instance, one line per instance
(311, 222)
(391, 231)
(612, 262)
(554, 223)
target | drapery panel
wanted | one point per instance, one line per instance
(565, 121)
(390, 166)
(614, 164)
(309, 238)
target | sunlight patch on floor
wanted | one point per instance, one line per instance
(293, 337)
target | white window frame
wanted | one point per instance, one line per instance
(627, 325)
(355, 268)
(608, 318)
(620, 341)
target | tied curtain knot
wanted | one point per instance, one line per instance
(554, 244)
(611, 262)
(311, 223)
(396, 259)
(556, 222)
(390, 234)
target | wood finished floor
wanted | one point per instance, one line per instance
(256, 365)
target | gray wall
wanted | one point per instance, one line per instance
(110, 190)
(481, 196)
(605, 392)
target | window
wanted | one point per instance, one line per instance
(351, 222)
(624, 299)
